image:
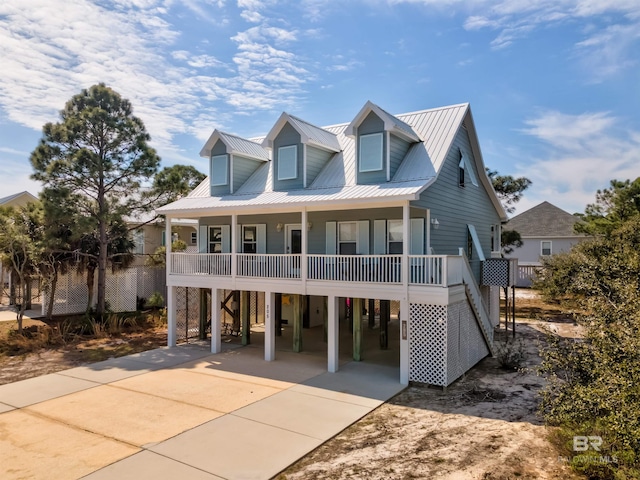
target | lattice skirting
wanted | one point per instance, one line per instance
(444, 342)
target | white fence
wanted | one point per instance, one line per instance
(122, 290)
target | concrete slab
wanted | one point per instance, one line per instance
(110, 370)
(207, 391)
(337, 395)
(35, 447)
(5, 408)
(237, 448)
(39, 389)
(149, 466)
(309, 415)
(136, 418)
(166, 357)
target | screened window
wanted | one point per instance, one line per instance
(249, 239)
(545, 247)
(215, 239)
(370, 152)
(394, 236)
(347, 238)
(287, 162)
(219, 170)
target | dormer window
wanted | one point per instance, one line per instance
(370, 152)
(288, 162)
(219, 170)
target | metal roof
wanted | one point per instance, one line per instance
(310, 134)
(235, 146)
(337, 180)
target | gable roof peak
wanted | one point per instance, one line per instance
(310, 134)
(391, 123)
(235, 146)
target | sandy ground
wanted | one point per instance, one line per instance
(484, 426)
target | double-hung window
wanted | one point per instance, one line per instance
(249, 239)
(545, 247)
(370, 152)
(394, 237)
(219, 170)
(215, 239)
(138, 240)
(288, 162)
(347, 238)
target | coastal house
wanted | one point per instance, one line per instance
(362, 237)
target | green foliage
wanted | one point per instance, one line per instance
(90, 163)
(613, 207)
(508, 188)
(159, 257)
(172, 183)
(509, 240)
(510, 353)
(594, 383)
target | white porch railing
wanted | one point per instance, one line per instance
(442, 270)
(268, 266)
(356, 268)
(216, 264)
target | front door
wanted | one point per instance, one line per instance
(294, 239)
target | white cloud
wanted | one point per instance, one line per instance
(583, 153)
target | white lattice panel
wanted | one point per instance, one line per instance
(465, 342)
(428, 343)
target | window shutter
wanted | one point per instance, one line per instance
(330, 236)
(226, 238)
(261, 238)
(238, 238)
(203, 239)
(363, 237)
(417, 237)
(379, 237)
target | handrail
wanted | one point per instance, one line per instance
(268, 265)
(215, 264)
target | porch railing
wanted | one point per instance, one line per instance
(268, 266)
(216, 264)
(438, 270)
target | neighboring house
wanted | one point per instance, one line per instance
(152, 234)
(384, 208)
(545, 230)
(18, 200)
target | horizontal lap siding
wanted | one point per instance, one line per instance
(316, 160)
(456, 206)
(243, 168)
(399, 149)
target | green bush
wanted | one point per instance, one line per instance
(510, 353)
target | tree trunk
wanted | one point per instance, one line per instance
(20, 310)
(90, 276)
(102, 268)
(52, 293)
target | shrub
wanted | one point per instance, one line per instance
(510, 354)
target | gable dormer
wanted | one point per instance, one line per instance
(381, 142)
(232, 160)
(300, 150)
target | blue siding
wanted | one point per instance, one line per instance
(398, 150)
(287, 136)
(372, 124)
(456, 206)
(220, 149)
(243, 168)
(316, 160)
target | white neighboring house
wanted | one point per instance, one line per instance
(545, 230)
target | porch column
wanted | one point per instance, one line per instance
(167, 244)
(234, 247)
(244, 315)
(371, 310)
(269, 326)
(357, 329)
(297, 323)
(404, 341)
(216, 320)
(385, 317)
(171, 316)
(303, 252)
(406, 242)
(333, 334)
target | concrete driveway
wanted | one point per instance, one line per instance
(183, 413)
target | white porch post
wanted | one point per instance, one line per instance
(406, 242)
(171, 316)
(333, 333)
(234, 247)
(216, 314)
(167, 246)
(303, 253)
(269, 327)
(404, 341)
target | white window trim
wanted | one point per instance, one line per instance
(138, 240)
(377, 168)
(209, 249)
(226, 170)
(194, 238)
(542, 242)
(255, 240)
(465, 164)
(338, 242)
(389, 230)
(281, 173)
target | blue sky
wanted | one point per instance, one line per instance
(554, 85)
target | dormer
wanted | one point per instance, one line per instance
(299, 150)
(381, 142)
(232, 160)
